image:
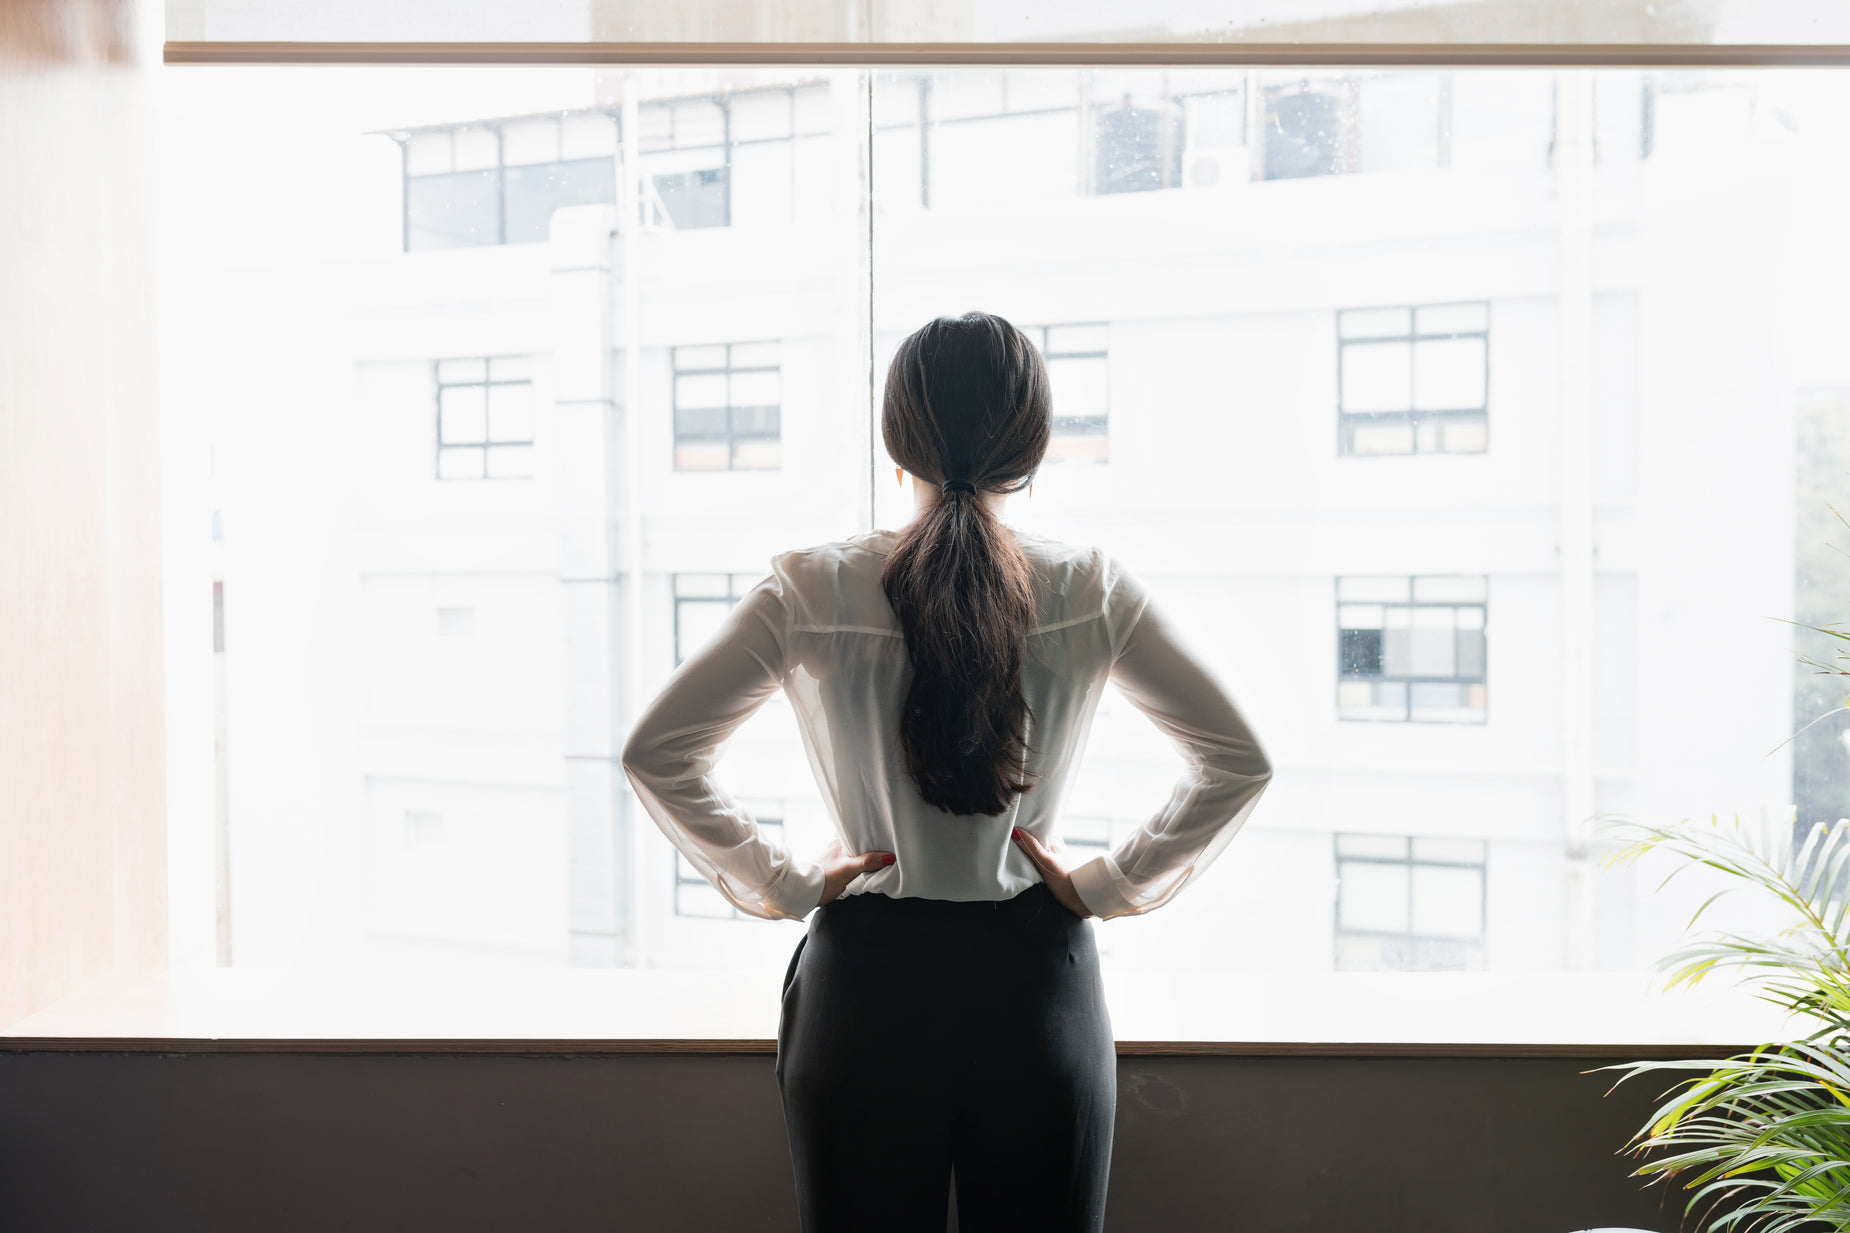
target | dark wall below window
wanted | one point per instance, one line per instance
(210, 1142)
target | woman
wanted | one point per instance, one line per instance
(943, 1012)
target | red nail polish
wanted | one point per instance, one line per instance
(1015, 833)
(890, 858)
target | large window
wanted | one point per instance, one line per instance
(426, 684)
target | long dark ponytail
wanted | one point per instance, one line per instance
(967, 406)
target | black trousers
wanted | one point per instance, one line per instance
(922, 1036)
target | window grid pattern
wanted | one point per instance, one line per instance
(698, 152)
(727, 407)
(499, 181)
(1413, 380)
(701, 602)
(697, 897)
(1412, 649)
(485, 418)
(1409, 903)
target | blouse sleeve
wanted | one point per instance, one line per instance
(671, 751)
(1226, 773)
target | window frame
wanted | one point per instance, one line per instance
(1413, 602)
(733, 436)
(1410, 862)
(1412, 416)
(868, 55)
(489, 443)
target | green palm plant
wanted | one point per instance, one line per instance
(1761, 1139)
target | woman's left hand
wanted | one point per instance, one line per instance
(1051, 861)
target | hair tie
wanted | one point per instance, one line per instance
(950, 486)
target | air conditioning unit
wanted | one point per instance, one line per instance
(1213, 166)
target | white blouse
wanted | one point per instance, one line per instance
(820, 628)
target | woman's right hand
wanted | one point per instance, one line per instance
(1052, 861)
(839, 868)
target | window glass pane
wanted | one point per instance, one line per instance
(698, 585)
(1374, 322)
(1393, 437)
(452, 211)
(510, 461)
(1433, 645)
(754, 389)
(1361, 616)
(533, 193)
(756, 454)
(696, 621)
(1373, 897)
(510, 368)
(1448, 902)
(1079, 387)
(1448, 374)
(1470, 436)
(694, 199)
(464, 414)
(510, 412)
(1309, 130)
(1376, 376)
(699, 390)
(1452, 319)
(753, 355)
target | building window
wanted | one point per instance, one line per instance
(485, 418)
(1411, 649)
(727, 407)
(1077, 367)
(1409, 904)
(499, 181)
(1413, 380)
(701, 602)
(695, 896)
(1137, 146)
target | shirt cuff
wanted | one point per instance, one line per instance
(1096, 883)
(799, 891)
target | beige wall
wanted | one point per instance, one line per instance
(82, 822)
